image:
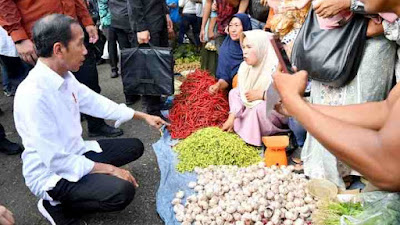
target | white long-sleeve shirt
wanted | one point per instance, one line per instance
(47, 111)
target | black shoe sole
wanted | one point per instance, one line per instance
(106, 135)
(11, 153)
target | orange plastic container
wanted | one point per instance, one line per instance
(276, 150)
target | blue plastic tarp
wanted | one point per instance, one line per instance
(171, 180)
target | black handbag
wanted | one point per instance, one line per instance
(330, 56)
(147, 70)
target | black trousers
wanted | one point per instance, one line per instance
(17, 70)
(88, 75)
(2, 132)
(100, 192)
(152, 104)
(123, 38)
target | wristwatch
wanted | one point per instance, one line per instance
(357, 6)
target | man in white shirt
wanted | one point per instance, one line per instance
(69, 175)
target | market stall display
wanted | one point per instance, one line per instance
(186, 58)
(195, 108)
(369, 208)
(212, 146)
(330, 212)
(253, 195)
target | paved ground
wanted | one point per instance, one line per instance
(142, 211)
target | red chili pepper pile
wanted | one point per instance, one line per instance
(195, 108)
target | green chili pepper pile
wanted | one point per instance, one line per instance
(212, 146)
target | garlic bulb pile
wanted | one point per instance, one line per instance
(253, 195)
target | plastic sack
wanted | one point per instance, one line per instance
(381, 208)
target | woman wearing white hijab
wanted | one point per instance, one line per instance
(248, 116)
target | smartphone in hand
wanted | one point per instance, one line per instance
(281, 54)
(272, 96)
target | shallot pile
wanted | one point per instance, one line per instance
(253, 195)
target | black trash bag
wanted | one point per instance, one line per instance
(147, 71)
(330, 56)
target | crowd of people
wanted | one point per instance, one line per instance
(49, 52)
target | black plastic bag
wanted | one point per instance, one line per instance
(330, 56)
(147, 70)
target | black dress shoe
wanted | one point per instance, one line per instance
(114, 74)
(107, 131)
(9, 147)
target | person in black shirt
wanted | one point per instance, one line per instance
(150, 23)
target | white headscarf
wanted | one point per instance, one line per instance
(257, 77)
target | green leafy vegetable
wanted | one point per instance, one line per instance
(329, 212)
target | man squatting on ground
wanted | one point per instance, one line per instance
(366, 136)
(18, 18)
(70, 176)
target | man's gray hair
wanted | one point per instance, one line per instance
(51, 29)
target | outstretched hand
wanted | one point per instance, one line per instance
(155, 121)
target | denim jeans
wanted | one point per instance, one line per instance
(298, 131)
(189, 20)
